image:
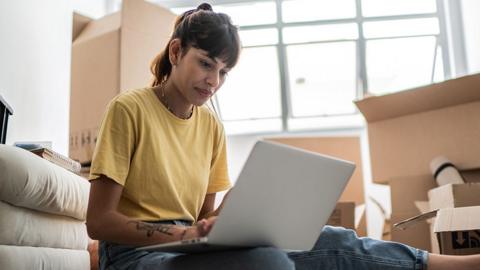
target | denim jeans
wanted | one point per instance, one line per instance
(336, 248)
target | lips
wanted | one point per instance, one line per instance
(203, 92)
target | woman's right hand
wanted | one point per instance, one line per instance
(201, 229)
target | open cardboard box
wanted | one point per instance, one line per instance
(343, 215)
(111, 55)
(457, 230)
(447, 196)
(407, 129)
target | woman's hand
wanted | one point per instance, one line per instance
(201, 229)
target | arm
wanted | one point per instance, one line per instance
(208, 206)
(106, 223)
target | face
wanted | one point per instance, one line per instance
(197, 76)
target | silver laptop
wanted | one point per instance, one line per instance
(282, 198)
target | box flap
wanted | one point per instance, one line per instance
(79, 23)
(454, 195)
(431, 97)
(402, 225)
(458, 219)
(99, 27)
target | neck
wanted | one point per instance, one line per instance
(173, 100)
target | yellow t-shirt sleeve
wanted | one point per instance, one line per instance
(115, 144)
(219, 179)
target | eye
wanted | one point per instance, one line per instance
(205, 64)
(223, 73)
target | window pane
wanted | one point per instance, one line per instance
(310, 10)
(401, 63)
(322, 78)
(250, 13)
(299, 34)
(397, 28)
(397, 7)
(252, 88)
(259, 37)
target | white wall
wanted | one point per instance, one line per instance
(471, 23)
(35, 69)
(90, 8)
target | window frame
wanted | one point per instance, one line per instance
(450, 39)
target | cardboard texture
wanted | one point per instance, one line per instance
(405, 193)
(111, 55)
(408, 129)
(458, 230)
(454, 195)
(347, 148)
(416, 226)
(343, 215)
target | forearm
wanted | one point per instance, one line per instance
(117, 228)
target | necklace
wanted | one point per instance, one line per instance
(164, 100)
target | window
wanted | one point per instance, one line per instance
(305, 61)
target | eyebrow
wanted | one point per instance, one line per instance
(214, 60)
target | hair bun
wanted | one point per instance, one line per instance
(205, 6)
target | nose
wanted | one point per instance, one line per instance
(213, 79)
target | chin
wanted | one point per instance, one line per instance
(200, 102)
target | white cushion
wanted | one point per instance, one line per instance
(24, 227)
(27, 258)
(32, 182)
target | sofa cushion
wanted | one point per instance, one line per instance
(27, 258)
(24, 227)
(29, 181)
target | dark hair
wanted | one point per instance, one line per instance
(203, 29)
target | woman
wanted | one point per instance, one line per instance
(161, 158)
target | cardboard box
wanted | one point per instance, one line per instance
(111, 55)
(408, 129)
(407, 195)
(343, 215)
(405, 191)
(454, 195)
(458, 230)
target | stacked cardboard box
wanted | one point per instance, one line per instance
(111, 55)
(408, 129)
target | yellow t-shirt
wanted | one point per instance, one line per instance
(166, 165)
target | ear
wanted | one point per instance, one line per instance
(174, 51)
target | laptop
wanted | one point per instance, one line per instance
(282, 198)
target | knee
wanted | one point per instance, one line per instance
(268, 258)
(336, 238)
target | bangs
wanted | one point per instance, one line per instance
(214, 34)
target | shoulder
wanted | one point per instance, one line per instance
(131, 100)
(208, 115)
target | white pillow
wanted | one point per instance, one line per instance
(32, 182)
(24, 227)
(27, 258)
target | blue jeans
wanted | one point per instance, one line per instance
(336, 248)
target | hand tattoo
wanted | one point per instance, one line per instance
(152, 228)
